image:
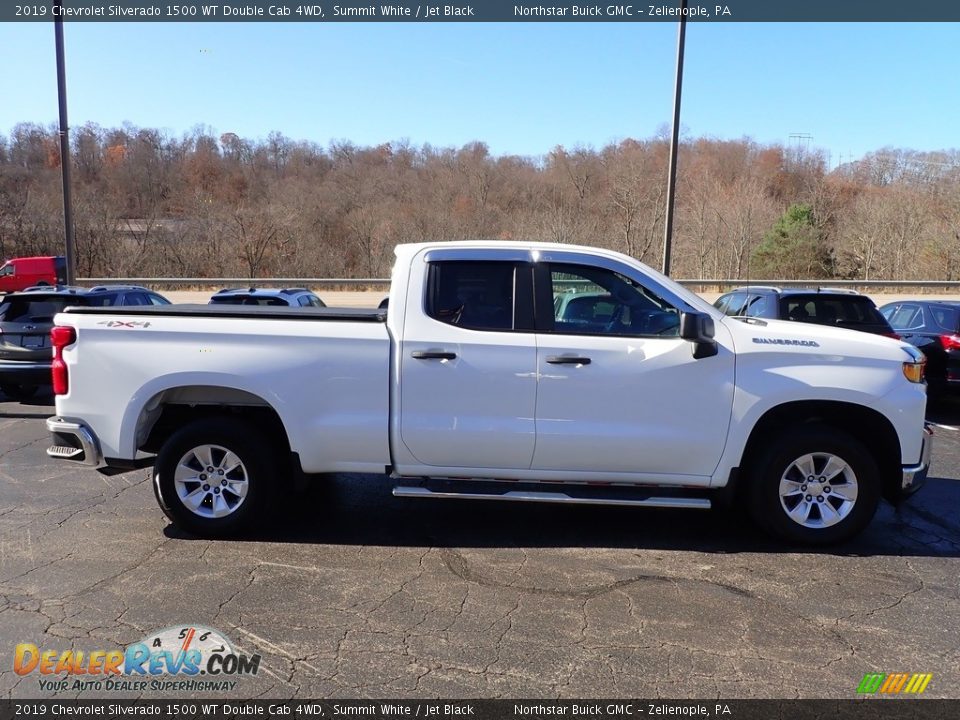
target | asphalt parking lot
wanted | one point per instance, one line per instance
(358, 594)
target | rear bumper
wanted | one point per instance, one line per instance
(27, 372)
(74, 441)
(914, 476)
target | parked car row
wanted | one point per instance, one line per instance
(932, 326)
(26, 318)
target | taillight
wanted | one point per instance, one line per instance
(891, 335)
(950, 342)
(60, 337)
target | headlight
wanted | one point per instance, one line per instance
(913, 371)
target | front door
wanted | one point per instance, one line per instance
(620, 391)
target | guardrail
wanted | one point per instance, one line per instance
(385, 282)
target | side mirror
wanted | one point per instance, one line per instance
(698, 328)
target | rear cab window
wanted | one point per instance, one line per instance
(479, 295)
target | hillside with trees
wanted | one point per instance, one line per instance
(148, 203)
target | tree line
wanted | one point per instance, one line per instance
(148, 203)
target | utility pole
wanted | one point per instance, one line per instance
(65, 150)
(674, 141)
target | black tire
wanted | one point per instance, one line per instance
(257, 461)
(860, 479)
(18, 392)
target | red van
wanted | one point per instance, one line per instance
(19, 273)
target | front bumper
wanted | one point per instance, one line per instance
(73, 440)
(914, 476)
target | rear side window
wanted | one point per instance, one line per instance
(135, 298)
(473, 295)
(241, 300)
(105, 300)
(945, 317)
(832, 310)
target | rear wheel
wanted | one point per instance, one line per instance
(815, 485)
(215, 477)
(18, 392)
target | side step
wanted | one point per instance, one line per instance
(65, 452)
(576, 496)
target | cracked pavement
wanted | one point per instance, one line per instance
(358, 594)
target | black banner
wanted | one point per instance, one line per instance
(864, 709)
(483, 11)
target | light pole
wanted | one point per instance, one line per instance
(674, 141)
(64, 149)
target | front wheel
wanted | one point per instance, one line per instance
(214, 477)
(815, 485)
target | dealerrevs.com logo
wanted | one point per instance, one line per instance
(180, 658)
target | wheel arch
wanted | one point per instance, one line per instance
(169, 409)
(870, 427)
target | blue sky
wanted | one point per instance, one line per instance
(521, 88)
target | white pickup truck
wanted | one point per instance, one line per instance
(510, 371)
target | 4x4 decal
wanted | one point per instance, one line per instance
(124, 323)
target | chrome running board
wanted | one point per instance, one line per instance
(692, 503)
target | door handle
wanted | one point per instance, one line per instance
(433, 355)
(567, 360)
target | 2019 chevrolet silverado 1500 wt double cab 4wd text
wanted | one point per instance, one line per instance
(471, 386)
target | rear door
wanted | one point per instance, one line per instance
(468, 362)
(621, 392)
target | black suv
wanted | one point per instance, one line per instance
(822, 306)
(25, 321)
(285, 297)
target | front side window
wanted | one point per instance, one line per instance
(596, 301)
(946, 318)
(6, 270)
(472, 294)
(757, 306)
